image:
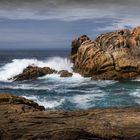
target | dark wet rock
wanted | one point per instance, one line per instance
(111, 56)
(21, 119)
(33, 72)
(65, 73)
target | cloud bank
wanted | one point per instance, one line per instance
(125, 11)
(62, 19)
(63, 9)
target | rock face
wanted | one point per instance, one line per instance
(23, 119)
(33, 72)
(76, 43)
(65, 73)
(111, 56)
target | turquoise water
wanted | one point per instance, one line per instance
(57, 93)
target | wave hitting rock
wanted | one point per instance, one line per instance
(33, 72)
(111, 56)
(25, 120)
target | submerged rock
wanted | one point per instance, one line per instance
(23, 119)
(33, 72)
(65, 73)
(111, 56)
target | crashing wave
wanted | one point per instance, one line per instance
(16, 67)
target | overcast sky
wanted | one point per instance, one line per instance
(54, 23)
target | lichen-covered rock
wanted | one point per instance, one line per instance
(112, 56)
(33, 72)
(22, 119)
(65, 73)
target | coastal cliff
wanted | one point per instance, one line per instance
(111, 56)
(25, 120)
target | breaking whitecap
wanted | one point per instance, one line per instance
(16, 67)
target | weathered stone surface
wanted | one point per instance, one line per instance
(76, 43)
(18, 104)
(112, 56)
(65, 73)
(21, 119)
(33, 72)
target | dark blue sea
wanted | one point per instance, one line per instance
(58, 93)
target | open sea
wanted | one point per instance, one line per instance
(57, 93)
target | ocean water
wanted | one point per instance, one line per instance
(57, 93)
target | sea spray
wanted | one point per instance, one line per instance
(16, 67)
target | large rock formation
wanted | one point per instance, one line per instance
(22, 119)
(111, 56)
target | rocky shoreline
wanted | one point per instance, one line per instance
(25, 120)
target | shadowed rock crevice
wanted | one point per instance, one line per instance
(94, 124)
(111, 56)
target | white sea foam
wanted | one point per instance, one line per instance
(136, 94)
(16, 67)
(84, 101)
(48, 104)
(104, 83)
(81, 101)
(76, 78)
(26, 87)
(59, 63)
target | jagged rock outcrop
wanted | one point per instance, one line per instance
(33, 72)
(65, 73)
(23, 119)
(111, 56)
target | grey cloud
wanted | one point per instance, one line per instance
(56, 4)
(73, 13)
(57, 9)
(68, 2)
(125, 11)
